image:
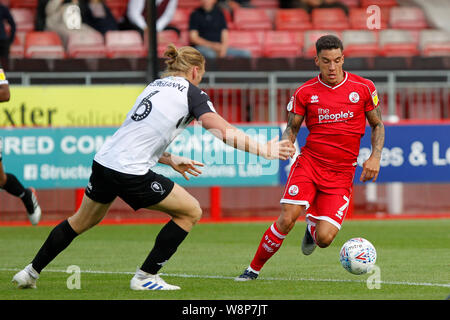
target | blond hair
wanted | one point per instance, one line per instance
(181, 60)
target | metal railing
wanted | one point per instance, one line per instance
(263, 96)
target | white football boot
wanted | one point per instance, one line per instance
(26, 278)
(35, 215)
(146, 281)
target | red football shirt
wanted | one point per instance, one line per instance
(335, 117)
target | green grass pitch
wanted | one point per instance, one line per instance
(413, 257)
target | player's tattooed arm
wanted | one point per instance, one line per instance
(377, 138)
(371, 167)
(293, 126)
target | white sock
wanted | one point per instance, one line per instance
(33, 273)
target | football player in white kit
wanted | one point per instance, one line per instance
(122, 167)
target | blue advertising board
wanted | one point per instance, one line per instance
(412, 153)
(48, 158)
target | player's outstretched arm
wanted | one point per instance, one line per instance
(371, 167)
(293, 126)
(222, 129)
(181, 164)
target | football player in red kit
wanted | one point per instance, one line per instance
(334, 105)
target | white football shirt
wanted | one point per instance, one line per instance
(160, 113)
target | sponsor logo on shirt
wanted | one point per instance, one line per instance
(290, 104)
(314, 99)
(375, 98)
(326, 116)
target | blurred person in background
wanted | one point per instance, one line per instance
(285, 4)
(231, 5)
(308, 5)
(334, 4)
(135, 18)
(234, 4)
(39, 22)
(98, 15)
(64, 17)
(6, 39)
(209, 34)
(9, 181)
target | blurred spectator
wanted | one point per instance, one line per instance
(309, 5)
(209, 34)
(97, 14)
(231, 5)
(135, 16)
(5, 39)
(285, 4)
(334, 4)
(234, 4)
(64, 18)
(39, 23)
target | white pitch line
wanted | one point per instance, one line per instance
(198, 276)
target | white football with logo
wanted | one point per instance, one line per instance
(358, 256)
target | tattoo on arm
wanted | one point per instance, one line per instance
(378, 134)
(293, 126)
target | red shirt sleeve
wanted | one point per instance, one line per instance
(296, 104)
(372, 101)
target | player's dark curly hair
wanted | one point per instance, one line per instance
(328, 42)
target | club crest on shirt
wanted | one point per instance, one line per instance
(314, 98)
(353, 97)
(293, 190)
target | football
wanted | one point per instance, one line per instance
(358, 256)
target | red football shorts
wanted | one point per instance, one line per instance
(325, 192)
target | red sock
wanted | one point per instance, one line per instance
(270, 243)
(312, 231)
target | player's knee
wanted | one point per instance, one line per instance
(286, 222)
(196, 212)
(324, 240)
(79, 225)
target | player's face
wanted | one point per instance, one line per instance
(330, 64)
